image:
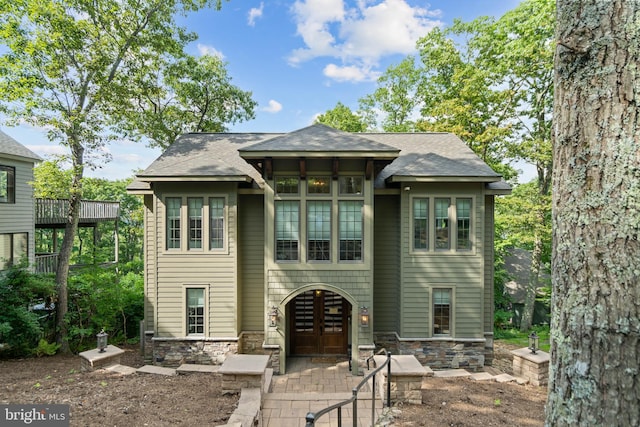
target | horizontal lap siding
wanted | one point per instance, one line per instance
(489, 261)
(251, 271)
(150, 248)
(216, 271)
(386, 263)
(462, 272)
(18, 217)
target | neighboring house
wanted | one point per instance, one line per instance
(318, 241)
(517, 264)
(16, 202)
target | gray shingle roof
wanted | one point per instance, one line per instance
(13, 148)
(319, 138)
(438, 156)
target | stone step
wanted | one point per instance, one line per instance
(121, 369)
(158, 370)
(482, 376)
(504, 378)
(192, 368)
(451, 373)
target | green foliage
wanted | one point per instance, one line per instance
(20, 328)
(45, 348)
(521, 339)
(101, 298)
(341, 117)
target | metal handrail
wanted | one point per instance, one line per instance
(312, 417)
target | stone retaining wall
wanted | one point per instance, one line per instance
(172, 352)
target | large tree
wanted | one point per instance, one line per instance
(341, 117)
(68, 65)
(595, 327)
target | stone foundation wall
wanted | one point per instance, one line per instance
(171, 352)
(439, 354)
(253, 343)
(147, 347)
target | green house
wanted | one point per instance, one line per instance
(319, 242)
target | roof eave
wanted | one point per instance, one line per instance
(161, 178)
(439, 178)
(385, 155)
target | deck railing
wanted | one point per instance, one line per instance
(55, 211)
(312, 417)
(46, 263)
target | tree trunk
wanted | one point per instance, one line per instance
(595, 378)
(64, 257)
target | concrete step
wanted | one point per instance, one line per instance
(158, 370)
(482, 376)
(121, 369)
(451, 373)
(504, 378)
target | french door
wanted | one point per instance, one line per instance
(319, 323)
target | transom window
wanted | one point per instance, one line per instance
(350, 185)
(195, 311)
(319, 185)
(287, 185)
(442, 312)
(7, 184)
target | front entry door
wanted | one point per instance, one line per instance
(319, 323)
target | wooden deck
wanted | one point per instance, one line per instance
(52, 213)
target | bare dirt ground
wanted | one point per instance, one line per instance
(105, 399)
(101, 398)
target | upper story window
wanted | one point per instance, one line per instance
(205, 222)
(7, 184)
(287, 230)
(173, 222)
(350, 230)
(351, 185)
(442, 223)
(216, 222)
(287, 185)
(319, 230)
(318, 185)
(450, 227)
(421, 223)
(463, 218)
(195, 222)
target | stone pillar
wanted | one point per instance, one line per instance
(532, 367)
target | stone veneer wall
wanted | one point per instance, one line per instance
(438, 354)
(253, 343)
(172, 352)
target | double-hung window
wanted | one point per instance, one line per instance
(7, 184)
(441, 312)
(442, 223)
(173, 222)
(350, 230)
(287, 230)
(463, 219)
(421, 224)
(13, 247)
(195, 311)
(319, 230)
(216, 223)
(194, 205)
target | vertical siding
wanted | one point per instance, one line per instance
(251, 261)
(19, 217)
(461, 271)
(386, 264)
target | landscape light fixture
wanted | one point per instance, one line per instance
(102, 341)
(534, 342)
(364, 316)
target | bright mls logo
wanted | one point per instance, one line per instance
(34, 415)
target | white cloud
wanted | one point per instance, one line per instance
(254, 13)
(350, 73)
(47, 150)
(359, 35)
(209, 50)
(273, 107)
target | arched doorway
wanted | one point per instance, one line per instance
(319, 323)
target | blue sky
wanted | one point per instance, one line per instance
(298, 58)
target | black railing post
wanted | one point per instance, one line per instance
(388, 379)
(354, 393)
(311, 419)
